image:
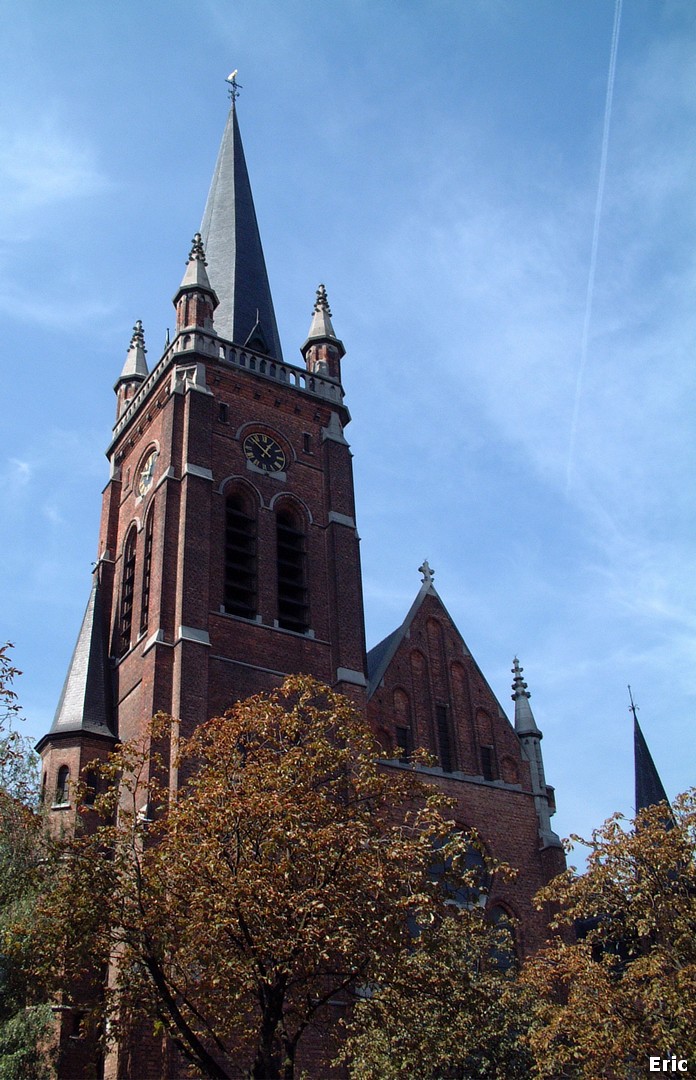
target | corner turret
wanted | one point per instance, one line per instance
(134, 370)
(195, 300)
(530, 741)
(323, 351)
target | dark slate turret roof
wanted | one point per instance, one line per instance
(649, 789)
(86, 701)
(236, 266)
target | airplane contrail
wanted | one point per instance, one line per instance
(595, 241)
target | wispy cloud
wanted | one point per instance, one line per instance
(42, 162)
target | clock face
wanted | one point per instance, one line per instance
(146, 473)
(264, 452)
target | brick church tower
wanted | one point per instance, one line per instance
(228, 557)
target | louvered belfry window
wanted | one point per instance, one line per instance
(293, 606)
(240, 559)
(147, 571)
(127, 591)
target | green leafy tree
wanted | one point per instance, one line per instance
(25, 1025)
(627, 991)
(449, 1009)
(281, 878)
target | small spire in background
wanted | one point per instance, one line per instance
(649, 790)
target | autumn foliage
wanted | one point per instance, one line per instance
(627, 989)
(280, 880)
(269, 877)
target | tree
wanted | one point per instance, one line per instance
(25, 1025)
(280, 878)
(627, 990)
(449, 1009)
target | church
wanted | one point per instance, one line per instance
(228, 557)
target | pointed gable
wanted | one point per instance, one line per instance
(236, 266)
(426, 690)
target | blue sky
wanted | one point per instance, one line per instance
(436, 164)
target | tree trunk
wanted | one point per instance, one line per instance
(267, 1062)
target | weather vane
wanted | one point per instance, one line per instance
(234, 86)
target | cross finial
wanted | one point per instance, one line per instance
(233, 86)
(427, 572)
(632, 707)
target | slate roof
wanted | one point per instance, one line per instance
(86, 703)
(236, 266)
(649, 789)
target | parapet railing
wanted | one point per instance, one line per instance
(209, 345)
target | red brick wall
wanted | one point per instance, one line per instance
(432, 667)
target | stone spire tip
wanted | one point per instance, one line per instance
(197, 253)
(138, 337)
(322, 302)
(525, 724)
(135, 366)
(196, 275)
(322, 327)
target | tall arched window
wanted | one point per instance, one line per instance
(240, 558)
(127, 591)
(504, 954)
(293, 604)
(62, 785)
(147, 570)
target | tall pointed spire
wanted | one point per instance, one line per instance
(236, 266)
(649, 789)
